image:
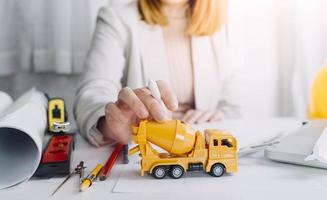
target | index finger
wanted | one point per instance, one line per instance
(167, 95)
(128, 96)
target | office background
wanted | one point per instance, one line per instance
(278, 46)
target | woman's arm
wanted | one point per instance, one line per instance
(101, 81)
(104, 111)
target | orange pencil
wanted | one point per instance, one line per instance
(110, 162)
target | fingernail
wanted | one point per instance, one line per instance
(161, 116)
(144, 113)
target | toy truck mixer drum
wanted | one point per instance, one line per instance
(173, 136)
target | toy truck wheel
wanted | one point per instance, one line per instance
(176, 171)
(159, 172)
(217, 170)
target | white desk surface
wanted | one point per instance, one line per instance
(258, 178)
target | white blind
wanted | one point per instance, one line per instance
(46, 35)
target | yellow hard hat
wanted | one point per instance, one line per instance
(318, 104)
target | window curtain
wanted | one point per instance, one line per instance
(310, 52)
(46, 35)
(302, 51)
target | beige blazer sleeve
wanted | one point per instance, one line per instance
(102, 78)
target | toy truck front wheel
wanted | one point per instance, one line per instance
(217, 170)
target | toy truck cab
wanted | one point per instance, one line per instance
(222, 152)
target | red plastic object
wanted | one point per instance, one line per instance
(58, 149)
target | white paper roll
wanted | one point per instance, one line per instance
(22, 128)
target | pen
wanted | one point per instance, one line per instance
(87, 182)
(155, 92)
(110, 162)
(243, 151)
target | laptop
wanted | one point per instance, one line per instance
(296, 146)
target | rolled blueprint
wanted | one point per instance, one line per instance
(22, 127)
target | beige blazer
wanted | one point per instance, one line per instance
(127, 52)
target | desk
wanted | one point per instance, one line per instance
(258, 178)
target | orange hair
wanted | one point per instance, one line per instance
(207, 16)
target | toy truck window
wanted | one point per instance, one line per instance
(215, 142)
(226, 142)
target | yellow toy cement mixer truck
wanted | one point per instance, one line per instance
(214, 152)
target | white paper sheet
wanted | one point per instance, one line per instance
(320, 149)
(22, 127)
(249, 175)
(5, 101)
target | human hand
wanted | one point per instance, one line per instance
(133, 105)
(201, 116)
